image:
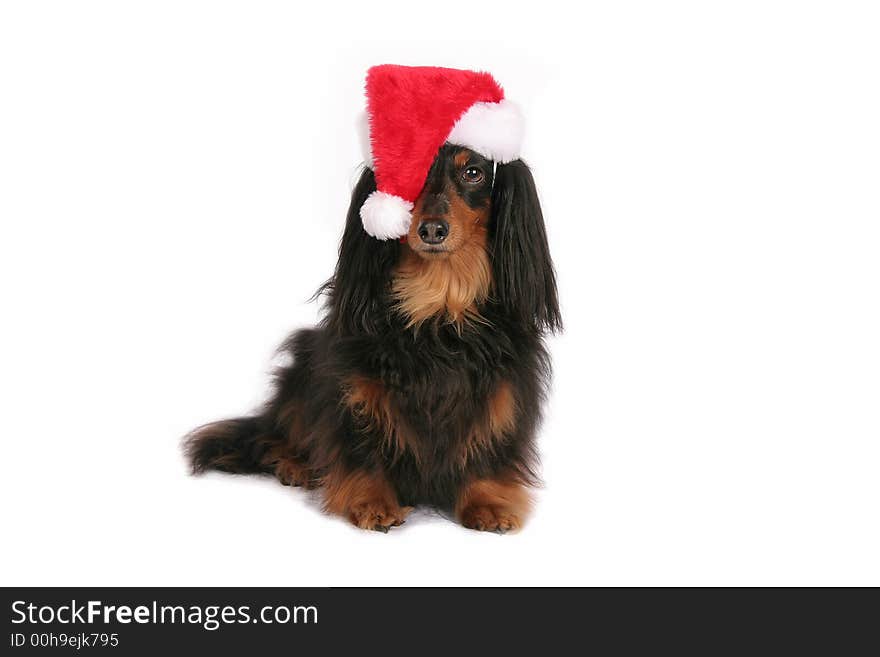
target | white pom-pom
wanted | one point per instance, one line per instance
(386, 216)
(494, 130)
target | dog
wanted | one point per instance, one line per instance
(424, 381)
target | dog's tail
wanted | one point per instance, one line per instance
(241, 446)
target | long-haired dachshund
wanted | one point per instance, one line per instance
(424, 381)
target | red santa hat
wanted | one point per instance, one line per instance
(411, 112)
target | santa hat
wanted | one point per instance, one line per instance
(412, 111)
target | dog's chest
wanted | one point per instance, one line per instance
(441, 383)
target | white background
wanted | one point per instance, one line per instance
(173, 182)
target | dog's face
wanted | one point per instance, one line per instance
(454, 208)
(476, 240)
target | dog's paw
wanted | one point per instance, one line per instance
(290, 473)
(379, 515)
(491, 518)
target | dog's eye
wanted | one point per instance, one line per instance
(472, 175)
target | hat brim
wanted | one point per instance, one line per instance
(494, 130)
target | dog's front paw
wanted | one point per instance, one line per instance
(378, 515)
(491, 518)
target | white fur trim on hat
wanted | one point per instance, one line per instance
(386, 216)
(363, 130)
(495, 130)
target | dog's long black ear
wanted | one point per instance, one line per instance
(525, 282)
(363, 270)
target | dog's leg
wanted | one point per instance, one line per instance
(498, 504)
(365, 498)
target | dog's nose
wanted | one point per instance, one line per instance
(433, 231)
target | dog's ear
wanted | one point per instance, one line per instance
(525, 282)
(363, 270)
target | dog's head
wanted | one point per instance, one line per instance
(477, 236)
